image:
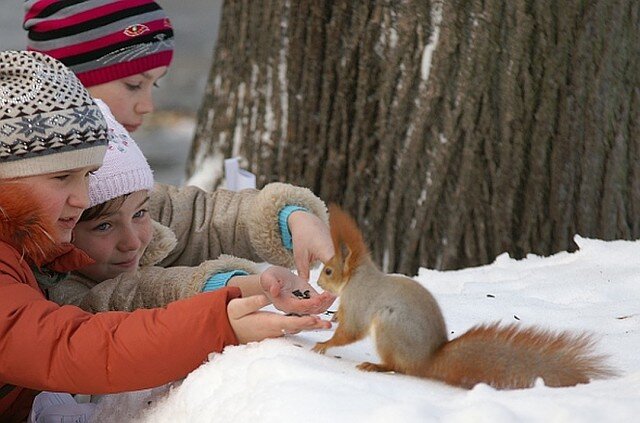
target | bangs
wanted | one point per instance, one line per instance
(103, 209)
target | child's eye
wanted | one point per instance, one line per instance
(61, 177)
(133, 87)
(102, 227)
(140, 213)
(155, 84)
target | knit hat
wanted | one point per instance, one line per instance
(125, 169)
(101, 40)
(48, 120)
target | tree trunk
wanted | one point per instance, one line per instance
(453, 131)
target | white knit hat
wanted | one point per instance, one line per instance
(125, 169)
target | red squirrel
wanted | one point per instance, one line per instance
(410, 333)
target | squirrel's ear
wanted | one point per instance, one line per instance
(338, 257)
(343, 252)
(347, 265)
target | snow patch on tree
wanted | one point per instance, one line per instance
(427, 54)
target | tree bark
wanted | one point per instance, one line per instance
(453, 131)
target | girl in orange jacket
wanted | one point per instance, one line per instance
(52, 137)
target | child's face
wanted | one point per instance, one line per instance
(116, 241)
(130, 98)
(65, 196)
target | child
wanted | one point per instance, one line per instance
(118, 49)
(118, 233)
(119, 61)
(53, 135)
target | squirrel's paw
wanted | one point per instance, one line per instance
(320, 347)
(372, 367)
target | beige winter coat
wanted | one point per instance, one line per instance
(196, 234)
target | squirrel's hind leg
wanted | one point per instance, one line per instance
(396, 348)
(385, 345)
(372, 367)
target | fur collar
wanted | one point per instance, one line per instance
(23, 226)
(162, 243)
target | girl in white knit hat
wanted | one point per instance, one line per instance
(140, 263)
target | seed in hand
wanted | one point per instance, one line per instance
(302, 295)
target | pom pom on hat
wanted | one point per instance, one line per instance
(125, 169)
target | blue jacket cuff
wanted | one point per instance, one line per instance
(283, 222)
(220, 280)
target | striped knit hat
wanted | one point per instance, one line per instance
(101, 40)
(48, 120)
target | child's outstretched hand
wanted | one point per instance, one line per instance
(311, 241)
(292, 294)
(250, 324)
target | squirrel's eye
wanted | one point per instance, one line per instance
(328, 271)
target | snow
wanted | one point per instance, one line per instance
(595, 289)
(209, 173)
(427, 54)
(269, 115)
(283, 83)
(238, 131)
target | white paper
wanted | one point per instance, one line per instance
(236, 178)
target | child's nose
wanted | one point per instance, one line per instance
(145, 104)
(79, 196)
(129, 240)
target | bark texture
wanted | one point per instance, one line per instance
(453, 131)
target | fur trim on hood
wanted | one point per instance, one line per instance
(24, 226)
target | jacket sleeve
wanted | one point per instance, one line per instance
(149, 287)
(242, 224)
(62, 348)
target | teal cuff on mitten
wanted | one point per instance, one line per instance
(220, 280)
(283, 222)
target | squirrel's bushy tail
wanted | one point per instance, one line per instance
(509, 357)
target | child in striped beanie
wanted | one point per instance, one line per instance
(117, 48)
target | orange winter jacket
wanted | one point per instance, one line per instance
(44, 346)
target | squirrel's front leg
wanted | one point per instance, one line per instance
(340, 337)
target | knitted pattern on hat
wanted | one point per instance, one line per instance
(124, 170)
(101, 40)
(48, 120)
